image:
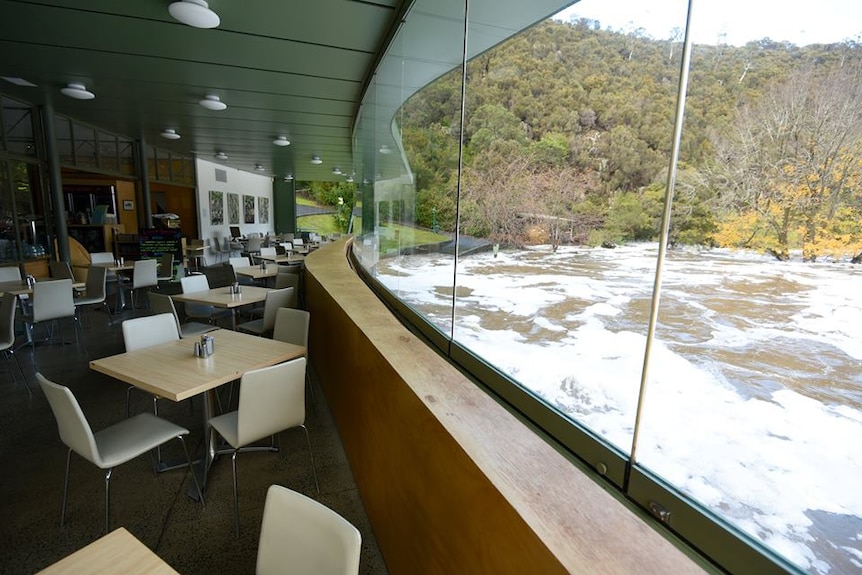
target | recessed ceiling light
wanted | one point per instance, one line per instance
(170, 134)
(288, 178)
(213, 102)
(221, 156)
(336, 170)
(258, 167)
(281, 141)
(384, 149)
(77, 91)
(194, 13)
(19, 81)
(316, 160)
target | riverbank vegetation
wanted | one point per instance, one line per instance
(567, 138)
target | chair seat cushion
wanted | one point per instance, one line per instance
(132, 437)
(254, 327)
(228, 427)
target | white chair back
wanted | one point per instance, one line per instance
(75, 431)
(96, 280)
(276, 299)
(53, 300)
(291, 326)
(102, 258)
(162, 304)
(10, 274)
(195, 283)
(268, 251)
(60, 270)
(239, 262)
(271, 399)
(253, 244)
(306, 535)
(146, 274)
(150, 330)
(7, 320)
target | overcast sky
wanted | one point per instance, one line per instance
(795, 21)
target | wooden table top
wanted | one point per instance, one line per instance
(172, 371)
(283, 259)
(221, 297)
(117, 552)
(19, 287)
(256, 273)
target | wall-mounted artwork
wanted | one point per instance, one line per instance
(233, 209)
(263, 210)
(248, 209)
(216, 208)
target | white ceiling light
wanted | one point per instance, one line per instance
(288, 178)
(316, 160)
(194, 13)
(77, 91)
(336, 170)
(221, 156)
(258, 167)
(213, 102)
(170, 134)
(281, 141)
(349, 179)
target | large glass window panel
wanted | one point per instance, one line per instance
(84, 138)
(23, 233)
(753, 406)
(18, 127)
(63, 128)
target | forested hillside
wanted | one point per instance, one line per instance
(568, 132)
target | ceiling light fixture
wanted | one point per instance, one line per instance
(288, 178)
(281, 141)
(221, 156)
(19, 81)
(195, 13)
(349, 179)
(258, 167)
(77, 91)
(213, 102)
(336, 170)
(316, 160)
(170, 134)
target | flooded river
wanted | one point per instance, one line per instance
(753, 404)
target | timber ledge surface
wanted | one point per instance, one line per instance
(471, 488)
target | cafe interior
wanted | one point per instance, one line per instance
(425, 470)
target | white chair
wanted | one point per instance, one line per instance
(193, 283)
(51, 301)
(275, 299)
(268, 251)
(292, 280)
(271, 400)
(163, 303)
(60, 270)
(145, 276)
(233, 247)
(95, 292)
(216, 247)
(291, 326)
(7, 334)
(252, 246)
(166, 267)
(239, 262)
(109, 447)
(142, 332)
(307, 536)
(10, 273)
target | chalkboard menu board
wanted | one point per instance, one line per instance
(156, 241)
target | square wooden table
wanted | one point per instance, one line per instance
(117, 552)
(222, 298)
(283, 259)
(172, 371)
(256, 273)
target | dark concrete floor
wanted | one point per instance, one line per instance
(157, 510)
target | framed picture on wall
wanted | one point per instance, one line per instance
(216, 208)
(248, 209)
(233, 209)
(128, 205)
(263, 210)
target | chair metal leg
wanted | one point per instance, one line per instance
(11, 353)
(192, 470)
(311, 456)
(108, 498)
(235, 496)
(311, 392)
(65, 487)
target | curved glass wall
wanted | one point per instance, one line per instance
(704, 360)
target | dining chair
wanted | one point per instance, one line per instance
(252, 246)
(110, 447)
(52, 301)
(287, 279)
(216, 247)
(10, 273)
(269, 251)
(163, 303)
(199, 282)
(233, 246)
(291, 326)
(95, 291)
(148, 331)
(60, 270)
(271, 400)
(7, 335)
(275, 299)
(145, 276)
(166, 267)
(301, 536)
